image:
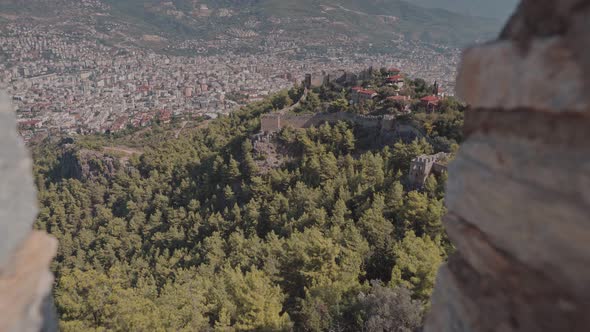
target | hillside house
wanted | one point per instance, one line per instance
(402, 103)
(360, 95)
(431, 103)
(394, 71)
(397, 80)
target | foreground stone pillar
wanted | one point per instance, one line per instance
(25, 279)
(518, 193)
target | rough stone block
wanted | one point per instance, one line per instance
(530, 199)
(465, 300)
(18, 199)
(547, 77)
(25, 286)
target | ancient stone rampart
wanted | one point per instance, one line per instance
(518, 191)
(274, 122)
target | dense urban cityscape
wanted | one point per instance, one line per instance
(72, 83)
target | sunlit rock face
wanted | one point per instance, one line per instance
(518, 193)
(25, 279)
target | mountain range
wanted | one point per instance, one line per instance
(499, 9)
(315, 21)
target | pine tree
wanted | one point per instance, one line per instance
(258, 302)
(416, 263)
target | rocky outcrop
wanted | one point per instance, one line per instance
(25, 279)
(84, 164)
(517, 194)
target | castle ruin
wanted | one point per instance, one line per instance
(422, 166)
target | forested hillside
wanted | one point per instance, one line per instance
(191, 236)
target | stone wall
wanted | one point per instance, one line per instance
(25, 280)
(269, 123)
(300, 121)
(274, 122)
(518, 192)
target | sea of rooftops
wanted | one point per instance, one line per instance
(72, 83)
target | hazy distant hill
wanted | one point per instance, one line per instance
(500, 9)
(321, 21)
(368, 19)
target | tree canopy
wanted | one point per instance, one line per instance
(192, 236)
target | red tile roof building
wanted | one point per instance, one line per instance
(359, 94)
(394, 71)
(431, 103)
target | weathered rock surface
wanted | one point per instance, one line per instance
(17, 192)
(518, 192)
(25, 286)
(470, 301)
(546, 77)
(530, 199)
(25, 279)
(83, 164)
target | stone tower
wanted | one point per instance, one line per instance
(421, 167)
(307, 82)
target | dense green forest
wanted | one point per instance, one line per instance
(191, 236)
